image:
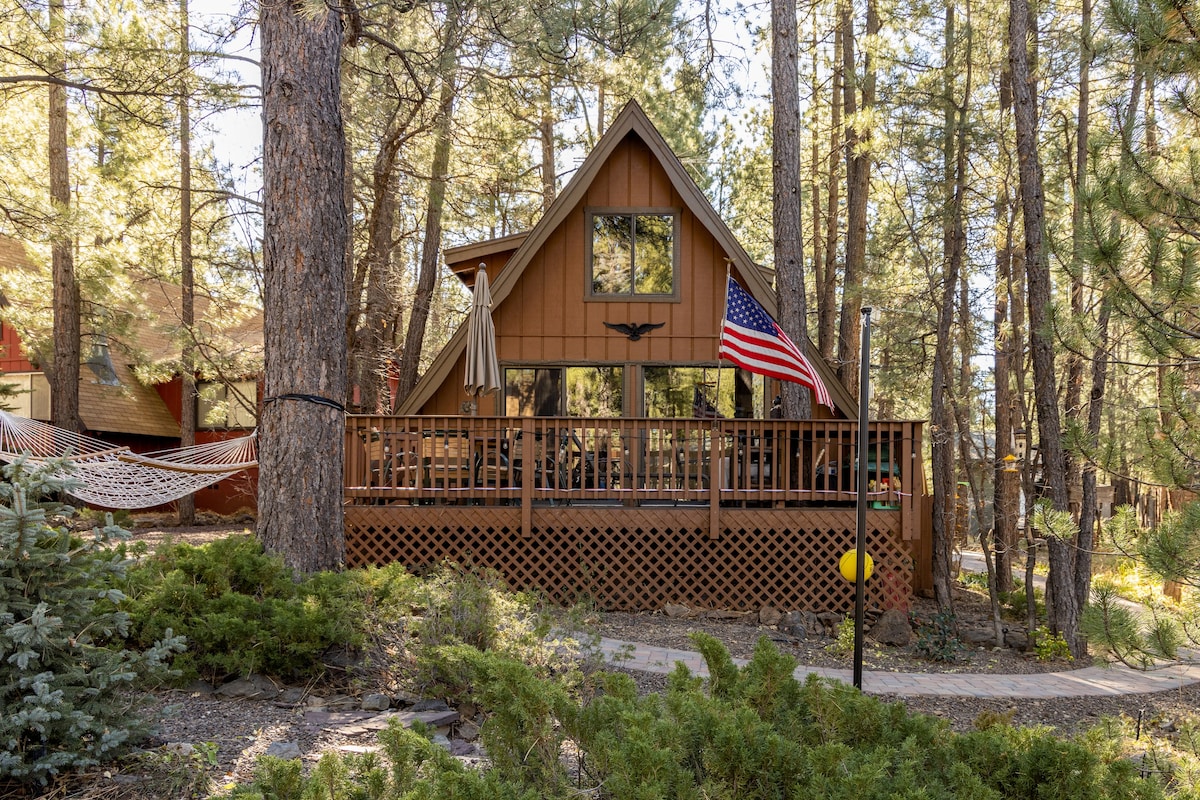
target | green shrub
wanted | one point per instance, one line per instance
(1016, 603)
(745, 733)
(843, 641)
(465, 607)
(937, 638)
(243, 612)
(62, 666)
(1049, 646)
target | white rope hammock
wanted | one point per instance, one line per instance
(117, 477)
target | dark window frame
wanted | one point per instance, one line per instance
(676, 215)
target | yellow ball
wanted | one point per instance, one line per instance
(849, 566)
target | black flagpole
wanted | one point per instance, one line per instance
(860, 539)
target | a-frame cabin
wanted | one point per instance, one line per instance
(622, 460)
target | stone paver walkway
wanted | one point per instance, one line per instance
(1089, 681)
(1085, 682)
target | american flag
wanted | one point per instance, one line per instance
(754, 341)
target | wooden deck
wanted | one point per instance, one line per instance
(635, 513)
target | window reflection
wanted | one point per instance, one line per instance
(702, 392)
(595, 391)
(633, 254)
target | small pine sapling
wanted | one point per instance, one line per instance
(62, 663)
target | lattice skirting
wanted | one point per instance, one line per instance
(641, 559)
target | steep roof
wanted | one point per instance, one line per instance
(126, 405)
(631, 120)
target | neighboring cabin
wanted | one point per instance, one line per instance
(117, 407)
(622, 460)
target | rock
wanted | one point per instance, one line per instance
(460, 748)
(676, 611)
(340, 702)
(801, 624)
(892, 628)
(441, 740)
(291, 696)
(429, 705)
(468, 731)
(376, 702)
(284, 750)
(829, 621)
(256, 687)
(979, 637)
(1017, 639)
(769, 615)
(359, 749)
(405, 699)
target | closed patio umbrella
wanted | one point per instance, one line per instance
(483, 364)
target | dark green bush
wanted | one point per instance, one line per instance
(242, 612)
(749, 733)
(62, 664)
(937, 638)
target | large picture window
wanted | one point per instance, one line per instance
(702, 392)
(226, 406)
(563, 391)
(632, 254)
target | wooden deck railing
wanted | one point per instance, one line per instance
(554, 460)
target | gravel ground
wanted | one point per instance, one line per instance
(240, 730)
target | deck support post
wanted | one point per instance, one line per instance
(714, 499)
(527, 478)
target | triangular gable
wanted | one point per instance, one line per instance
(632, 119)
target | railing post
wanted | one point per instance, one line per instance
(714, 483)
(528, 467)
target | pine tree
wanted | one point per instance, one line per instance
(63, 672)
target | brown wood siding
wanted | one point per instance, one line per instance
(547, 318)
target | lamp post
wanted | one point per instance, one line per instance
(860, 539)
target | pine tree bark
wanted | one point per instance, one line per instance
(302, 429)
(942, 424)
(374, 342)
(858, 182)
(1064, 613)
(414, 338)
(1006, 495)
(786, 194)
(827, 296)
(63, 372)
(186, 506)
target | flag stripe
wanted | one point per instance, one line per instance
(754, 341)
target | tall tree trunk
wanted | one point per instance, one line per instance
(786, 194)
(1073, 400)
(546, 137)
(942, 425)
(1087, 477)
(187, 357)
(64, 374)
(827, 299)
(414, 338)
(1064, 616)
(821, 274)
(1006, 495)
(1087, 511)
(302, 428)
(858, 182)
(375, 340)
